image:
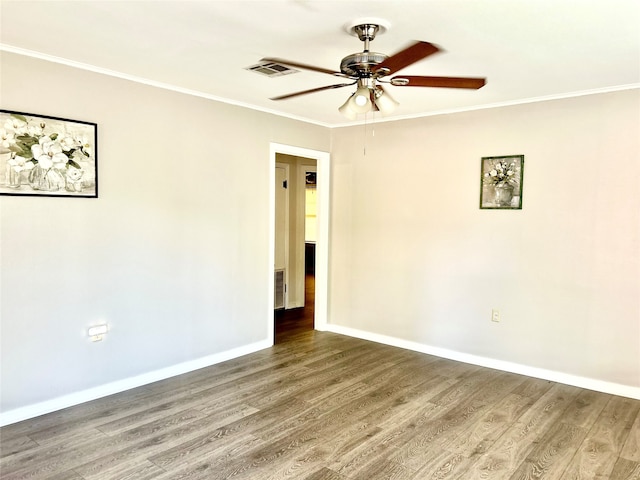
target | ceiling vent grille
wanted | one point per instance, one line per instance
(271, 69)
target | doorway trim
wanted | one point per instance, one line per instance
(286, 168)
(322, 244)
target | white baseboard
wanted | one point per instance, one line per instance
(565, 378)
(48, 406)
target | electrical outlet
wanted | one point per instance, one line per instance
(495, 315)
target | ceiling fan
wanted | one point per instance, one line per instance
(367, 69)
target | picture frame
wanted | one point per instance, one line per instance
(47, 156)
(501, 182)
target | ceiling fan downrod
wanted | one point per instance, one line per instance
(366, 33)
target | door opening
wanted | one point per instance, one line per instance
(306, 272)
(295, 245)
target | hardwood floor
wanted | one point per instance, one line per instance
(290, 323)
(322, 406)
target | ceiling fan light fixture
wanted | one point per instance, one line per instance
(385, 103)
(361, 100)
(347, 110)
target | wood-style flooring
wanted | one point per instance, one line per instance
(321, 406)
(289, 323)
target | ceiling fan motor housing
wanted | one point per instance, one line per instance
(360, 64)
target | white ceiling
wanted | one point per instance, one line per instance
(527, 49)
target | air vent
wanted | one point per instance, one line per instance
(279, 290)
(271, 69)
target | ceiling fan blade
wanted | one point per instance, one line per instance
(312, 90)
(303, 66)
(443, 82)
(406, 57)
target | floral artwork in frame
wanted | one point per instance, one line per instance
(47, 156)
(501, 182)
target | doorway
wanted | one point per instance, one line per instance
(295, 250)
(305, 303)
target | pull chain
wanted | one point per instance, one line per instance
(364, 146)
(373, 131)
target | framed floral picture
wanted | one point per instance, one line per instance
(47, 156)
(501, 182)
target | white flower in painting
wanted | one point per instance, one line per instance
(7, 138)
(501, 173)
(48, 153)
(16, 125)
(19, 163)
(68, 143)
(36, 129)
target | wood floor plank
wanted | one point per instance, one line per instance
(334, 415)
(409, 401)
(298, 466)
(170, 414)
(344, 435)
(517, 442)
(586, 408)
(550, 457)
(444, 465)
(68, 475)
(626, 470)
(631, 449)
(55, 450)
(315, 386)
(479, 436)
(140, 470)
(209, 442)
(395, 433)
(597, 455)
(401, 417)
(259, 462)
(150, 439)
(452, 369)
(462, 389)
(324, 474)
(453, 422)
(533, 387)
(217, 464)
(385, 470)
(131, 450)
(12, 445)
(249, 392)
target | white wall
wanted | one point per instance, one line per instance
(413, 258)
(174, 254)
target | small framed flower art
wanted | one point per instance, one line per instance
(47, 156)
(501, 182)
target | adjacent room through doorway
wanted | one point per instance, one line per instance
(295, 245)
